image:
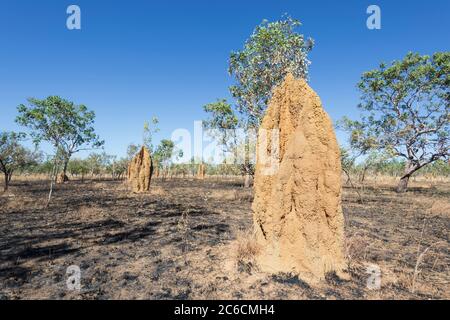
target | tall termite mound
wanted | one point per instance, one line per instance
(140, 171)
(298, 218)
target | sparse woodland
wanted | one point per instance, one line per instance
(190, 237)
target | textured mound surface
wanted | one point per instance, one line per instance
(201, 171)
(140, 171)
(61, 178)
(298, 217)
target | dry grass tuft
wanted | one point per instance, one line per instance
(223, 194)
(242, 195)
(247, 250)
(13, 203)
(440, 207)
(431, 252)
(157, 191)
(86, 213)
(245, 195)
(356, 246)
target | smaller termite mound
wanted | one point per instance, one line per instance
(201, 171)
(61, 178)
(155, 169)
(140, 171)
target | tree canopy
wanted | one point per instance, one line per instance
(66, 126)
(164, 151)
(405, 111)
(13, 156)
(150, 128)
(273, 50)
(223, 122)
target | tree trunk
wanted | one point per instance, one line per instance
(363, 175)
(247, 181)
(6, 182)
(349, 179)
(409, 170)
(403, 184)
(54, 173)
(66, 163)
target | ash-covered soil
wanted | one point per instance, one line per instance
(186, 239)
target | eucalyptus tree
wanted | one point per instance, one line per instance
(273, 50)
(69, 128)
(13, 156)
(405, 112)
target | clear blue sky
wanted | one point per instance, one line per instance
(135, 59)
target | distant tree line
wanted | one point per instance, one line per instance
(376, 164)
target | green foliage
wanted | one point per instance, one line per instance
(97, 162)
(392, 168)
(41, 167)
(405, 110)
(150, 128)
(132, 150)
(222, 115)
(118, 168)
(223, 122)
(13, 156)
(347, 161)
(78, 167)
(378, 164)
(164, 151)
(10, 150)
(66, 126)
(273, 50)
(440, 168)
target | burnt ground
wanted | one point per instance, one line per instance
(184, 240)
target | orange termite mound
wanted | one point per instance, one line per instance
(61, 178)
(201, 171)
(298, 217)
(155, 169)
(140, 171)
